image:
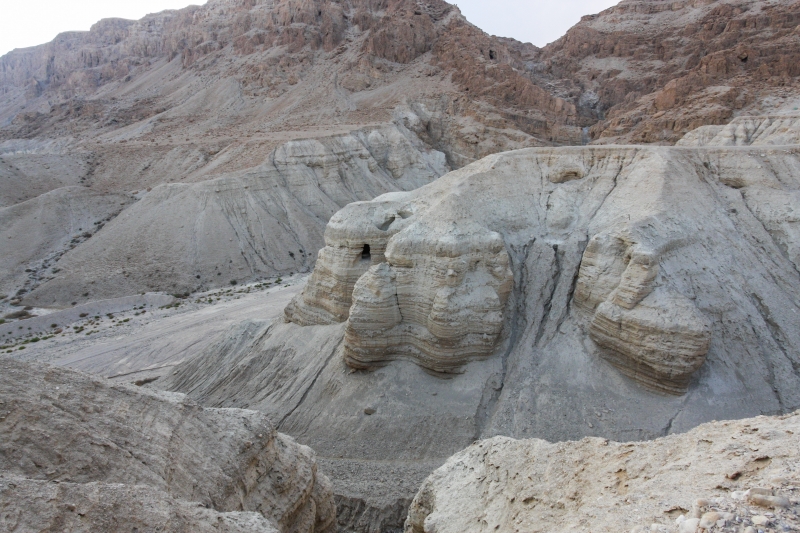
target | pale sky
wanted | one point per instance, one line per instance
(31, 22)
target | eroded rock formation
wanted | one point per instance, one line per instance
(651, 71)
(649, 289)
(436, 298)
(653, 334)
(264, 221)
(747, 131)
(219, 91)
(718, 476)
(77, 453)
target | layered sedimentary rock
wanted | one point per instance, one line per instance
(747, 131)
(436, 298)
(264, 221)
(211, 92)
(428, 275)
(80, 453)
(651, 71)
(649, 289)
(723, 476)
(654, 334)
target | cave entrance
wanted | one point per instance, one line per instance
(365, 253)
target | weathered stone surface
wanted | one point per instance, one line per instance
(709, 477)
(747, 131)
(654, 334)
(89, 507)
(60, 426)
(647, 297)
(265, 221)
(651, 71)
(436, 298)
(439, 300)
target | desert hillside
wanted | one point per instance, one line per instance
(408, 245)
(241, 127)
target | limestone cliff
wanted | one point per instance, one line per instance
(622, 292)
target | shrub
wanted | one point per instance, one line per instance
(84, 315)
(233, 282)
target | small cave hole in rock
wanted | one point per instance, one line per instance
(365, 253)
(492, 55)
(386, 225)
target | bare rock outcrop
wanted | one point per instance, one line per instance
(722, 476)
(654, 334)
(212, 92)
(622, 292)
(74, 448)
(651, 71)
(88, 507)
(747, 131)
(436, 298)
(436, 288)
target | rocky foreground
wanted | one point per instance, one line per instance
(78, 454)
(741, 476)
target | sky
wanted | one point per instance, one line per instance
(30, 22)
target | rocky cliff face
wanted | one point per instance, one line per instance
(622, 292)
(221, 91)
(654, 70)
(242, 126)
(81, 455)
(723, 476)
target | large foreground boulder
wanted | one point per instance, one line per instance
(722, 476)
(77, 454)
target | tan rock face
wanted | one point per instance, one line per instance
(653, 334)
(747, 131)
(435, 298)
(719, 475)
(150, 449)
(438, 301)
(435, 284)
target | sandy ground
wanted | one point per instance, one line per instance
(139, 347)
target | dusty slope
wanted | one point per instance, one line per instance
(596, 485)
(268, 220)
(651, 289)
(217, 92)
(145, 456)
(35, 234)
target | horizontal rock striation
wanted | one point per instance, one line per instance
(135, 448)
(265, 221)
(747, 131)
(434, 297)
(649, 289)
(654, 334)
(436, 289)
(439, 300)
